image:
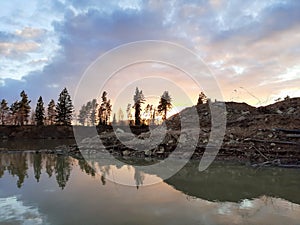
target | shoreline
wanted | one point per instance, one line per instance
(74, 152)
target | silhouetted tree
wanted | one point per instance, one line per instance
(14, 112)
(93, 112)
(202, 99)
(88, 108)
(82, 115)
(164, 104)
(153, 116)
(114, 121)
(129, 114)
(40, 112)
(120, 116)
(138, 99)
(64, 108)
(24, 108)
(108, 111)
(4, 110)
(104, 110)
(32, 118)
(51, 112)
(149, 111)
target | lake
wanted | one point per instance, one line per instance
(38, 188)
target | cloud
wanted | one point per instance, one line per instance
(29, 32)
(8, 49)
(249, 44)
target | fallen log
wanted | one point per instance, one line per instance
(260, 153)
(295, 131)
(293, 135)
(272, 141)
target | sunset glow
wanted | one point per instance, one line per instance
(251, 47)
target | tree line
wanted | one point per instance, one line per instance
(20, 113)
(91, 113)
(87, 113)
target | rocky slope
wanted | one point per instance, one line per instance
(267, 135)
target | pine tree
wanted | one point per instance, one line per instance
(14, 112)
(51, 112)
(108, 111)
(32, 118)
(82, 115)
(104, 111)
(4, 109)
(114, 121)
(64, 108)
(138, 99)
(164, 104)
(129, 114)
(40, 112)
(93, 112)
(24, 108)
(120, 116)
(88, 109)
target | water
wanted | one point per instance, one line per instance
(50, 189)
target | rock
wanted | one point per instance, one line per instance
(291, 110)
(244, 113)
(86, 140)
(126, 153)
(123, 137)
(160, 150)
(148, 152)
(273, 144)
(279, 111)
(242, 118)
(144, 135)
(270, 135)
(119, 131)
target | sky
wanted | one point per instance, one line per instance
(252, 48)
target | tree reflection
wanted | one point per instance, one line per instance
(50, 164)
(37, 166)
(18, 167)
(85, 167)
(62, 170)
(139, 178)
(104, 171)
(17, 164)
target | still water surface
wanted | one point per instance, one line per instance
(50, 189)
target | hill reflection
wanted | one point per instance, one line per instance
(221, 182)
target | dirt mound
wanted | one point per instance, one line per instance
(257, 134)
(290, 106)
